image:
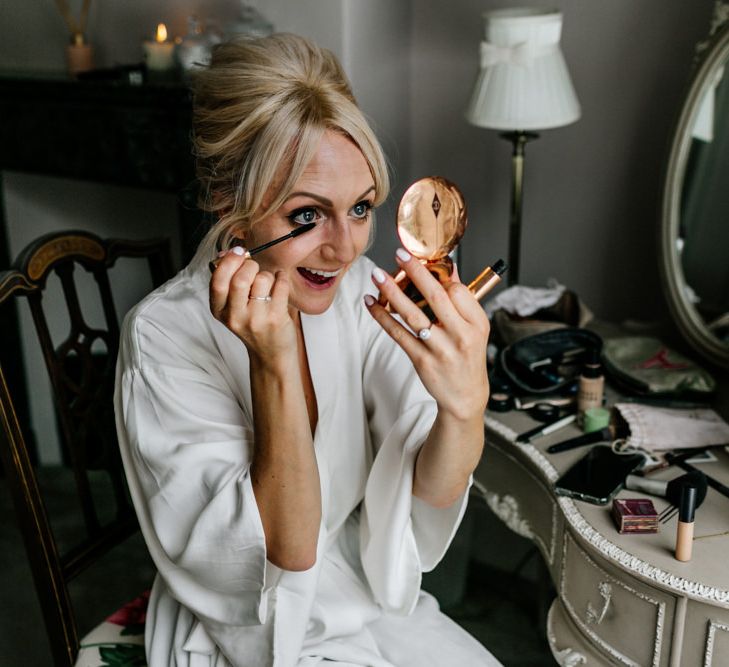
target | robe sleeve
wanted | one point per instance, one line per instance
(186, 445)
(401, 536)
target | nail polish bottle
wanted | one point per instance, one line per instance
(685, 529)
(591, 385)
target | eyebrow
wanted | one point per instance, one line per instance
(324, 200)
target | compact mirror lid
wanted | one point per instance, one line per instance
(431, 218)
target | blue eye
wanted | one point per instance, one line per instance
(361, 210)
(303, 216)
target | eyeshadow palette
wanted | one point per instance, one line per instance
(635, 515)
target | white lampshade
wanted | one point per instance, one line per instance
(523, 83)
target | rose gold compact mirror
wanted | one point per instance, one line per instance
(431, 220)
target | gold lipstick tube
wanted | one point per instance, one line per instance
(487, 279)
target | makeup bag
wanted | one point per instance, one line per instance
(645, 366)
(548, 362)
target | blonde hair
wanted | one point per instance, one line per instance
(260, 110)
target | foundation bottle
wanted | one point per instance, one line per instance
(591, 385)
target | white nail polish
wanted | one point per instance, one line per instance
(378, 274)
(238, 250)
(369, 300)
(403, 255)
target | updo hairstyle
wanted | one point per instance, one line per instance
(260, 110)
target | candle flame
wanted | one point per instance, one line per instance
(161, 33)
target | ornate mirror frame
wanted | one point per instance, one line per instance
(675, 287)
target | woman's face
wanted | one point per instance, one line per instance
(336, 191)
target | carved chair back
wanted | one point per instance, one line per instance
(81, 370)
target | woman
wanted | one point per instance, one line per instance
(297, 457)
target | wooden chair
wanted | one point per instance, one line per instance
(81, 371)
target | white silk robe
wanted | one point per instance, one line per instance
(185, 423)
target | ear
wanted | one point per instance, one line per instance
(238, 236)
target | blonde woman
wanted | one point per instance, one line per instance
(296, 456)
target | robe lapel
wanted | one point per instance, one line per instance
(323, 352)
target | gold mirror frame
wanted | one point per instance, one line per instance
(690, 323)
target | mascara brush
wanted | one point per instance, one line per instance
(249, 253)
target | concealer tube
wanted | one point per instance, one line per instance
(685, 529)
(487, 279)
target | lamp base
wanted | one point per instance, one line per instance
(518, 139)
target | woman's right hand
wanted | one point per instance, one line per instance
(283, 471)
(237, 299)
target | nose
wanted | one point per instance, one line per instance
(339, 244)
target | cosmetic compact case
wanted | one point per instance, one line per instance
(548, 362)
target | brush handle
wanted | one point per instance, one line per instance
(654, 487)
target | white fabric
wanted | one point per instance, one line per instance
(524, 301)
(185, 427)
(519, 54)
(656, 429)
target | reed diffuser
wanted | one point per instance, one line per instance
(79, 53)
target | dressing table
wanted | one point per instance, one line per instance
(621, 599)
(625, 599)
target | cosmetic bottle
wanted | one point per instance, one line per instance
(685, 530)
(591, 386)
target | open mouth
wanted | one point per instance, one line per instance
(318, 279)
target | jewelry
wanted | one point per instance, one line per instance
(424, 333)
(260, 298)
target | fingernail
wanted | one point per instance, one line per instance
(403, 255)
(369, 300)
(378, 274)
(238, 250)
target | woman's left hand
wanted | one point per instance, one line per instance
(451, 361)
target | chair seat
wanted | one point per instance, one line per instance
(119, 640)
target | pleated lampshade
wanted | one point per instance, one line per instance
(523, 82)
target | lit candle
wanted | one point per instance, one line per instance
(159, 54)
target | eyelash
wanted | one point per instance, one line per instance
(318, 215)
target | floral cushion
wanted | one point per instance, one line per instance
(119, 640)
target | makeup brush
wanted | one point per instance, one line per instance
(249, 253)
(670, 490)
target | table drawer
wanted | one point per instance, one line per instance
(706, 635)
(627, 621)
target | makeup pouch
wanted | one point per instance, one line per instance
(644, 365)
(548, 362)
(521, 311)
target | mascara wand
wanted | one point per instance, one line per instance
(249, 253)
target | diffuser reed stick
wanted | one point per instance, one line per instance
(76, 28)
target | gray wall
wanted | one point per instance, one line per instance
(592, 190)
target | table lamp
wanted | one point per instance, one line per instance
(523, 85)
